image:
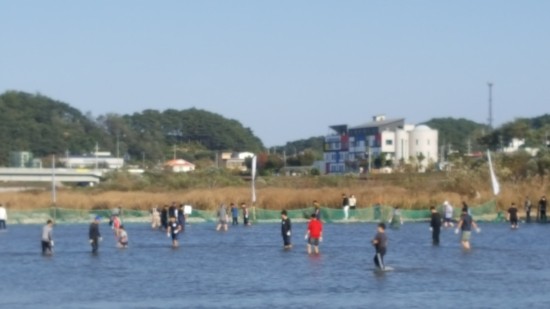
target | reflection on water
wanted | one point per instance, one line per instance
(246, 267)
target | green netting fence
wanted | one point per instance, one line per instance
(376, 213)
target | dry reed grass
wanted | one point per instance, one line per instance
(413, 196)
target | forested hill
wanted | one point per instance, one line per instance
(44, 126)
(36, 123)
(458, 134)
(535, 131)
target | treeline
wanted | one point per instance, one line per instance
(36, 123)
(43, 126)
(459, 134)
(466, 136)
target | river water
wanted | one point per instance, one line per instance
(247, 268)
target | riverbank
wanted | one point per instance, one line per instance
(406, 192)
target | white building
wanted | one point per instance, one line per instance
(519, 143)
(97, 159)
(423, 143)
(398, 141)
(236, 160)
(179, 166)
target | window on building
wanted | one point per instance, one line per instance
(416, 142)
(389, 142)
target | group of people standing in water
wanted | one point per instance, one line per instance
(172, 220)
(314, 236)
(464, 226)
(223, 215)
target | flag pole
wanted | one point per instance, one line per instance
(54, 193)
(494, 180)
(254, 159)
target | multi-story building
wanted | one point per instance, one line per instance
(398, 142)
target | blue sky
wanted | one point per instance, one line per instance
(286, 69)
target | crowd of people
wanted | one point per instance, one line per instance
(223, 215)
(540, 210)
(172, 219)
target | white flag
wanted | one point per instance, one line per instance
(494, 181)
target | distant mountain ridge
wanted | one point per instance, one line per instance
(44, 126)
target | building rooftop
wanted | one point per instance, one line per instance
(178, 162)
(340, 128)
(379, 123)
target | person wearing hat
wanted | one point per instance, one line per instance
(94, 235)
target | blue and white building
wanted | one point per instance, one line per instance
(398, 141)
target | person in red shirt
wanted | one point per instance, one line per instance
(116, 225)
(314, 234)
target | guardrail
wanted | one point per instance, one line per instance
(47, 174)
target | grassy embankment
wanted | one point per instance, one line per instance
(409, 191)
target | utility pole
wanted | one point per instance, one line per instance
(490, 105)
(370, 164)
(54, 193)
(96, 151)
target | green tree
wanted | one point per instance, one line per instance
(461, 134)
(33, 122)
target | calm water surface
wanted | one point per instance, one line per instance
(247, 268)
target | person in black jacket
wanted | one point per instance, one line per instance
(542, 209)
(435, 226)
(164, 217)
(286, 229)
(94, 234)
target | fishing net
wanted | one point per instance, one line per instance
(376, 213)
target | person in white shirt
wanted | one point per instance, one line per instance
(448, 208)
(3, 217)
(352, 204)
(345, 206)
